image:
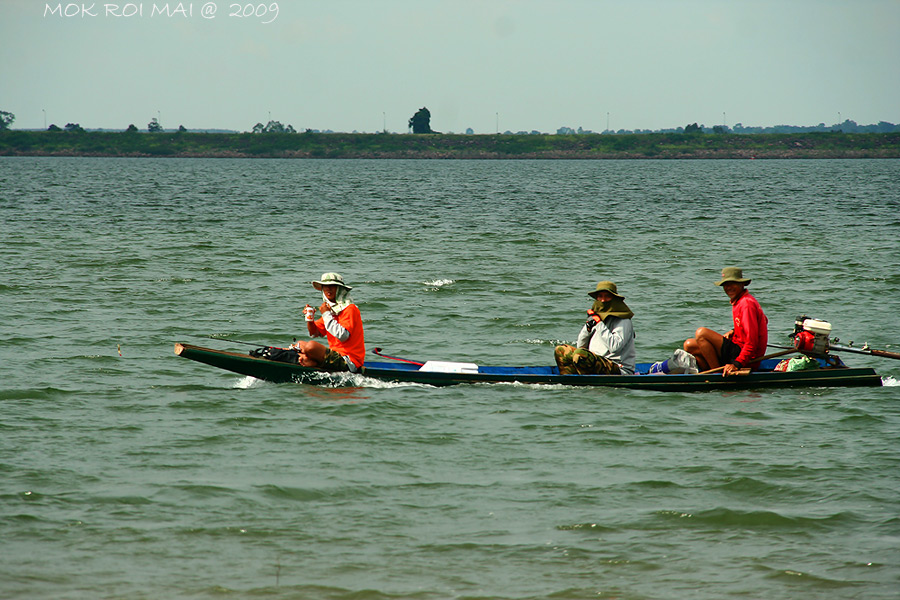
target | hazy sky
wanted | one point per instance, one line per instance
(523, 64)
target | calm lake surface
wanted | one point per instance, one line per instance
(128, 472)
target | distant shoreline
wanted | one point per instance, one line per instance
(450, 146)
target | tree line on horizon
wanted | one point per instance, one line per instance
(420, 123)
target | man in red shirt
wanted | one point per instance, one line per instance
(744, 345)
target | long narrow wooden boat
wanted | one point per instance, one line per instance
(457, 373)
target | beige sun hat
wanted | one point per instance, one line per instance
(330, 279)
(605, 286)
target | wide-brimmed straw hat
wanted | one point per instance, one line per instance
(733, 274)
(330, 279)
(605, 286)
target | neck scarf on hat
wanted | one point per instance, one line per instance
(614, 308)
(342, 299)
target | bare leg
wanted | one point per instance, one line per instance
(706, 346)
(312, 354)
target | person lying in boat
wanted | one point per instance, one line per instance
(341, 324)
(745, 343)
(605, 344)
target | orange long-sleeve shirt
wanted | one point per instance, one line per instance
(354, 346)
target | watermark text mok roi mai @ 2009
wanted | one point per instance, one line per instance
(263, 12)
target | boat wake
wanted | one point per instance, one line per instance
(357, 380)
(438, 284)
(247, 382)
(333, 380)
(890, 382)
(540, 342)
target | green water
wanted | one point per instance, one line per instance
(130, 473)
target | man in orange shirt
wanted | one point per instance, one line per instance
(341, 324)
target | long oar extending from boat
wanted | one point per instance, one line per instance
(221, 339)
(864, 350)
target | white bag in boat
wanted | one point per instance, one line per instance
(680, 362)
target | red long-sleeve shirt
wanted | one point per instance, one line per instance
(751, 328)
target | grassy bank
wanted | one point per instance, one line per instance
(366, 145)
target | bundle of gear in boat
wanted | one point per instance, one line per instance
(811, 337)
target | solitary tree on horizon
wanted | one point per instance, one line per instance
(6, 119)
(421, 121)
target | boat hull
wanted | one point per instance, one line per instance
(280, 372)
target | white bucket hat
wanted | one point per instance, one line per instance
(330, 279)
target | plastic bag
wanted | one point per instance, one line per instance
(798, 363)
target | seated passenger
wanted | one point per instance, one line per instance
(744, 345)
(341, 324)
(605, 344)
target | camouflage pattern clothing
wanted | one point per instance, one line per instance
(581, 361)
(334, 362)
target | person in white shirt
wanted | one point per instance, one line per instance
(605, 344)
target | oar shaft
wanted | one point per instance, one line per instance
(869, 351)
(866, 351)
(885, 354)
(235, 341)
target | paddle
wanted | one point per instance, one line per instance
(237, 341)
(246, 343)
(766, 357)
(377, 351)
(864, 350)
